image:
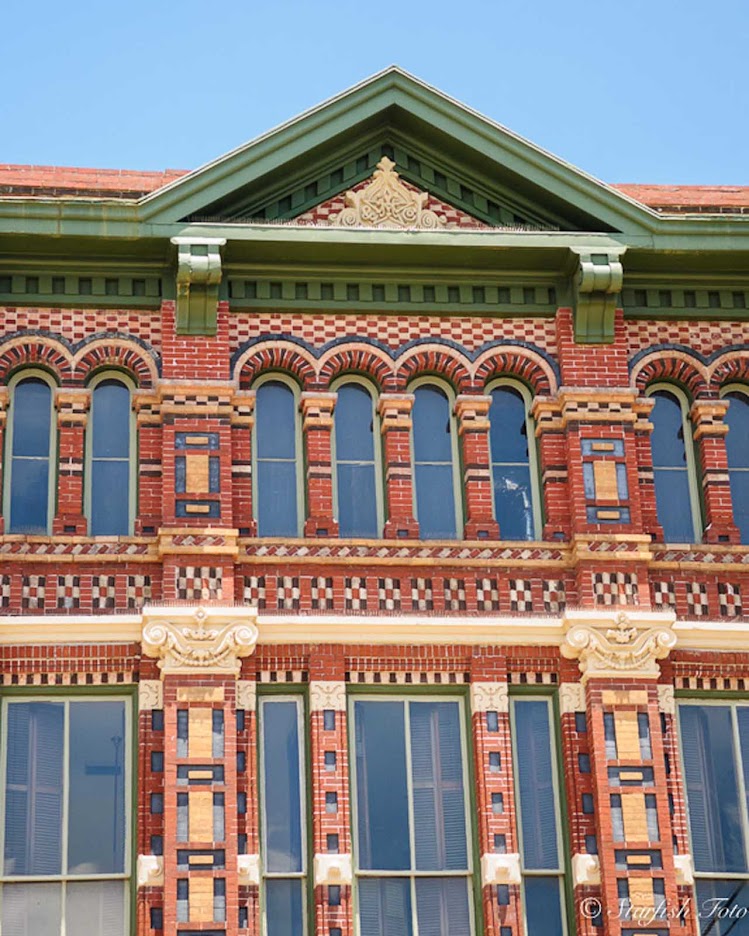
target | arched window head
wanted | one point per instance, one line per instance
(676, 497)
(737, 449)
(111, 438)
(434, 457)
(516, 506)
(29, 486)
(358, 483)
(277, 489)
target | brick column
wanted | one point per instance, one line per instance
(4, 400)
(492, 746)
(551, 445)
(395, 425)
(317, 426)
(638, 874)
(151, 741)
(204, 810)
(332, 867)
(149, 468)
(242, 425)
(710, 429)
(645, 475)
(247, 785)
(72, 417)
(473, 430)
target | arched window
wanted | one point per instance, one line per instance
(737, 448)
(357, 479)
(516, 502)
(277, 489)
(434, 457)
(29, 485)
(676, 496)
(111, 458)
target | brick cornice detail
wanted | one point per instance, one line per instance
(617, 644)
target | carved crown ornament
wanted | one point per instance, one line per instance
(610, 644)
(199, 641)
(387, 203)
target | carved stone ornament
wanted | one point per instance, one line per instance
(586, 870)
(199, 640)
(150, 871)
(333, 869)
(667, 700)
(387, 203)
(247, 695)
(571, 697)
(327, 695)
(150, 694)
(611, 645)
(500, 869)
(248, 869)
(684, 869)
(490, 697)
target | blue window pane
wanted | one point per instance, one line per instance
(96, 798)
(737, 440)
(508, 434)
(674, 506)
(34, 788)
(435, 501)
(437, 783)
(275, 421)
(431, 426)
(110, 420)
(385, 907)
(536, 785)
(667, 438)
(284, 908)
(712, 788)
(110, 498)
(381, 786)
(740, 499)
(276, 499)
(543, 906)
(32, 410)
(513, 501)
(282, 787)
(354, 424)
(357, 503)
(29, 495)
(442, 907)
(715, 901)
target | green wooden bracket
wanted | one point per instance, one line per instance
(198, 282)
(596, 284)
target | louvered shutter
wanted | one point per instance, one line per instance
(536, 785)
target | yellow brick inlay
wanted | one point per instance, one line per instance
(200, 860)
(609, 514)
(196, 474)
(604, 478)
(634, 817)
(199, 694)
(200, 774)
(644, 860)
(624, 697)
(602, 446)
(641, 893)
(200, 737)
(631, 775)
(201, 900)
(197, 508)
(627, 735)
(201, 816)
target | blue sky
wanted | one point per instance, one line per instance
(631, 92)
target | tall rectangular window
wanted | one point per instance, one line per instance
(412, 850)
(65, 817)
(538, 815)
(715, 755)
(284, 851)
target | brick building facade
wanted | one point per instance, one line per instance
(485, 670)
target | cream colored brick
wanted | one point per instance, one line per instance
(624, 697)
(627, 734)
(201, 899)
(201, 816)
(200, 694)
(634, 817)
(200, 738)
(641, 893)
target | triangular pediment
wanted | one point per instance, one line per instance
(481, 174)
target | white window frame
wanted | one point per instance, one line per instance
(26, 373)
(127, 762)
(411, 874)
(303, 875)
(132, 450)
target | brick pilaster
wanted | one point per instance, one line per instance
(317, 425)
(472, 413)
(4, 401)
(395, 426)
(242, 425)
(710, 429)
(72, 408)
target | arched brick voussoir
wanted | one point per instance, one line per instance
(35, 351)
(360, 359)
(118, 354)
(275, 355)
(518, 362)
(728, 368)
(676, 366)
(433, 360)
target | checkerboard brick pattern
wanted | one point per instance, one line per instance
(389, 594)
(697, 603)
(254, 590)
(322, 596)
(33, 591)
(729, 599)
(103, 592)
(664, 594)
(138, 590)
(199, 583)
(288, 594)
(355, 593)
(5, 593)
(487, 594)
(68, 591)
(521, 597)
(555, 596)
(615, 588)
(422, 596)
(454, 591)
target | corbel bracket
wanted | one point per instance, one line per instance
(596, 283)
(198, 282)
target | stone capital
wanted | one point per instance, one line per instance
(500, 869)
(325, 694)
(150, 871)
(490, 697)
(586, 870)
(247, 695)
(150, 694)
(248, 869)
(472, 412)
(333, 869)
(199, 641)
(571, 698)
(611, 644)
(395, 410)
(317, 409)
(708, 418)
